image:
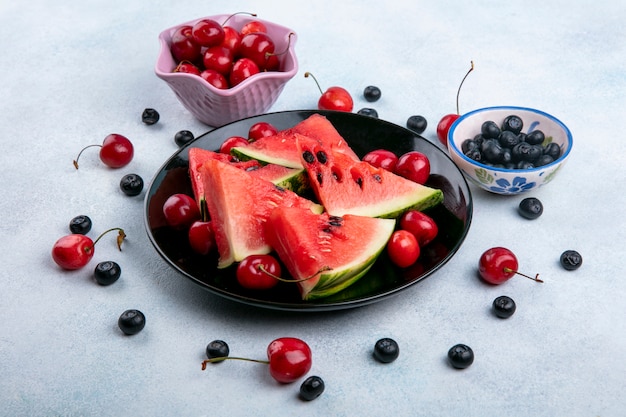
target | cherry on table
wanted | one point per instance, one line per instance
(498, 264)
(334, 98)
(446, 121)
(116, 151)
(74, 251)
(80, 224)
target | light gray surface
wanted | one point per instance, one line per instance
(71, 74)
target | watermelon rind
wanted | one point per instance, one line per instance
(294, 179)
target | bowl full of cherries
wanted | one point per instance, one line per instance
(224, 68)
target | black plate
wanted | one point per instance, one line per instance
(364, 134)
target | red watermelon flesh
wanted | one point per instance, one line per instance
(345, 186)
(239, 205)
(281, 149)
(326, 253)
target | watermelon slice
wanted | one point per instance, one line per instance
(327, 253)
(239, 204)
(281, 149)
(345, 186)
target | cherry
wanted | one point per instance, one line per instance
(207, 33)
(498, 264)
(257, 46)
(386, 350)
(80, 224)
(202, 237)
(183, 45)
(74, 251)
(421, 225)
(260, 130)
(258, 272)
(187, 67)
(232, 40)
(382, 158)
(131, 322)
(215, 78)
(253, 26)
(116, 151)
(180, 210)
(446, 121)
(233, 142)
(334, 98)
(403, 248)
(460, 356)
(218, 58)
(414, 166)
(289, 358)
(243, 69)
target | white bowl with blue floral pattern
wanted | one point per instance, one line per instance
(498, 179)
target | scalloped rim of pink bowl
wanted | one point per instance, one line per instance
(166, 63)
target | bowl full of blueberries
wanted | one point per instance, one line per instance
(509, 150)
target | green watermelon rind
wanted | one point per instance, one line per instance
(245, 153)
(297, 181)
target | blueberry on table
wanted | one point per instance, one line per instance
(571, 260)
(530, 208)
(311, 388)
(131, 322)
(80, 225)
(150, 116)
(372, 93)
(417, 124)
(386, 350)
(504, 306)
(131, 184)
(217, 349)
(460, 356)
(107, 272)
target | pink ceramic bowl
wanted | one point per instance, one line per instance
(251, 97)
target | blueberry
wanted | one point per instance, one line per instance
(490, 129)
(469, 145)
(524, 165)
(508, 139)
(521, 152)
(150, 116)
(513, 123)
(552, 149)
(386, 350)
(530, 208)
(475, 154)
(571, 260)
(80, 225)
(536, 137)
(131, 322)
(372, 93)
(492, 151)
(107, 272)
(460, 356)
(544, 160)
(366, 111)
(131, 184)
(535, 152)
(417, 124)
(311, 388)
(183, 137)
(217, 349)
(503, 307)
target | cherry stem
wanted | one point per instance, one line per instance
(81, 151)
(322, 269)
(308, 74)
(223, 358)
(234, 14)
(458, 91)
(535, 278)
(269, 54)
(120, 237)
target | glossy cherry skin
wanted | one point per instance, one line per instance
(421, 225)
(232, 142)
(289, 359)
(253, 26)
(444, 126)
(403, 248)
(116, 151)
(215, 78)
(202, 237)
(382, 158)
(260, 130)
(414, 166)
(207, 32)
(180, 210)
(243, 69)
(183, 46)
(218, 58)
(258, 47)
(497, 265)
(73, 251)
(187, 68)
(258, 272)
(336, 98)
(232, 40)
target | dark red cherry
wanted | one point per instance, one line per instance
(243, 69)
(207, 32)
(446, 121)
(218, 58)
(334, 98)
(258, 47)
(215, 78)
(183, 46)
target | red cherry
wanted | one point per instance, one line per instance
(180, 210)
(258, 47)
(446, 121)
(207, 32)
(187, 67)
(243, 69)
(232, 142)
(258, 272)
(289, 359)
(414, 166)
(335, 98)
(253, 26)
(202, 237)
(382, 158)
(232, 40)
(75, 251)
(218, 58)
(214, 78)
(403, 248)
(498, 264)
(260, 130)
(183, 46)
(421, 225)
(116, 151)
